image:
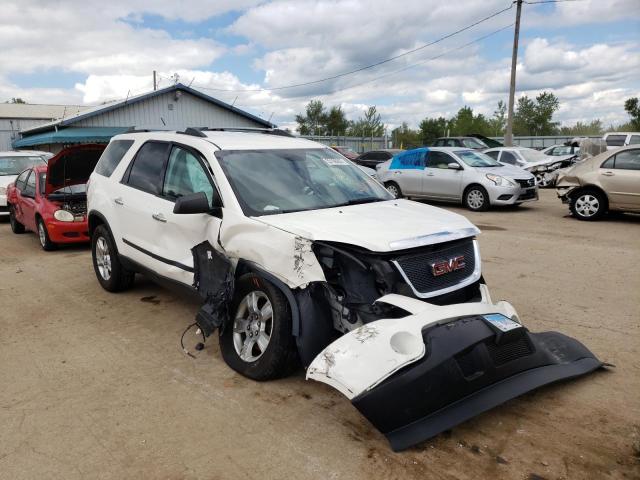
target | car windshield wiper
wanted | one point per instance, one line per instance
(358, 201)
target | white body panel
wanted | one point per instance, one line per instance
(361, 359)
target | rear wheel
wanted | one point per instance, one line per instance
(394, 189)
(43, 236)
(110, 272)
(476, 198)
(258, 342)
(16, 226)
(588, 205)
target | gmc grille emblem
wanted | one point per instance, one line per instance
(448, 266)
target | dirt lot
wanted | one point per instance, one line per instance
(94, 385)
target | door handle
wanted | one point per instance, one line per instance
(429, 174)
(159, 217)
(397, 172)
(118, 201)
(608, 174)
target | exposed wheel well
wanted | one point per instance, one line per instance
(94, 221)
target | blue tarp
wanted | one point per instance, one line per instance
(409, 160)
(71, 135)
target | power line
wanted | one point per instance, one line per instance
(550, 1)
(381, 62)
(440, 55)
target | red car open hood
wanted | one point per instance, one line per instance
(72, 166)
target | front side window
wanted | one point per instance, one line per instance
(268, 182)
(185, 175)
(21, 181)
(629, 160)
(438, 160)
(146, 172)
(615, 140)
(634, 140)
(508, 157)
(493, 154)
(111, 156)
(30, 187)
(476, 159)
(13, 165)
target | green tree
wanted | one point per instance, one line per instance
(499, 120)
(15, 100)
(336, 121)
(535, 117)
(432, 128)
(465, 123)
(594, 127)
(632, 107)
(369, 125)
(405, 137)
(315, 119)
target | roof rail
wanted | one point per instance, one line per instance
(138, 130)
(195, 132)
(267, 131)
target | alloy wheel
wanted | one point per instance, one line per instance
(253, 326)
(42, 235)
(103, 258)
(587, 205)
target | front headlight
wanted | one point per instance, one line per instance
(63, 216)
(500, 181)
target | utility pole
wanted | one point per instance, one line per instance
(508, 136)
(155, 84)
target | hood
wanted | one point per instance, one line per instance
(550, 161)
(379, 226)
(508, 171)
(5, 180)
(72, 166)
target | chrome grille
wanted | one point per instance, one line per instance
(416, 268)
(531, 182)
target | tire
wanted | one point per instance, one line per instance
(16, 226)
(43, 235)
(588, 205)
(254, 344)
(110, 273)
(476, 198)
(394, 189)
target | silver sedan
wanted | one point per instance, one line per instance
(457, 175)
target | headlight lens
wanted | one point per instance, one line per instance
(500, 181)
(63, 216)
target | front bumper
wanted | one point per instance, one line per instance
(564, 193)
(512, 195)
(419, 375)
(68, 232)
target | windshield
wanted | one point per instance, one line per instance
(477, 159)
(15, 165)
(268, 182)
(531, 156)
(473, 143)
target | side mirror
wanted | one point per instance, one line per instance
(192, 203)
(454, 166)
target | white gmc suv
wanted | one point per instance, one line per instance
(299, 255)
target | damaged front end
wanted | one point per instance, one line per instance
(416, 376)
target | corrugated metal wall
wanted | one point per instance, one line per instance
(9, 128)
(165, 112)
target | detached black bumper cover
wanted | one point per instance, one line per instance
(469, 368)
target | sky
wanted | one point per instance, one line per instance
(587, 52)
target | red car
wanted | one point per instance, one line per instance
(52, 200)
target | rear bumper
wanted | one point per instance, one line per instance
(416, 376)
(68, 232)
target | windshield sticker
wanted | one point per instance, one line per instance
(332, 162)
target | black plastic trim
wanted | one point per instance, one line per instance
(158, 257)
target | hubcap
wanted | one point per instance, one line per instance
(475, 199)
(41, 234)
(587, 205)
(393, 190)
(252, 326)
(103, 258)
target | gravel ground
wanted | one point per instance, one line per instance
(94, 385)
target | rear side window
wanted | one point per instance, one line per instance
(634, 140)
(146, 170)
(493, 154)
(616, 140)
(111, 156)
(508, 157)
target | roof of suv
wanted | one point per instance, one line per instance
(231, 140)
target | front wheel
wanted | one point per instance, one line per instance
(111, 274)
(258, 342)
(394, 189)
(16, 226)
(588, 205)
(43, 236)
(476, 198)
